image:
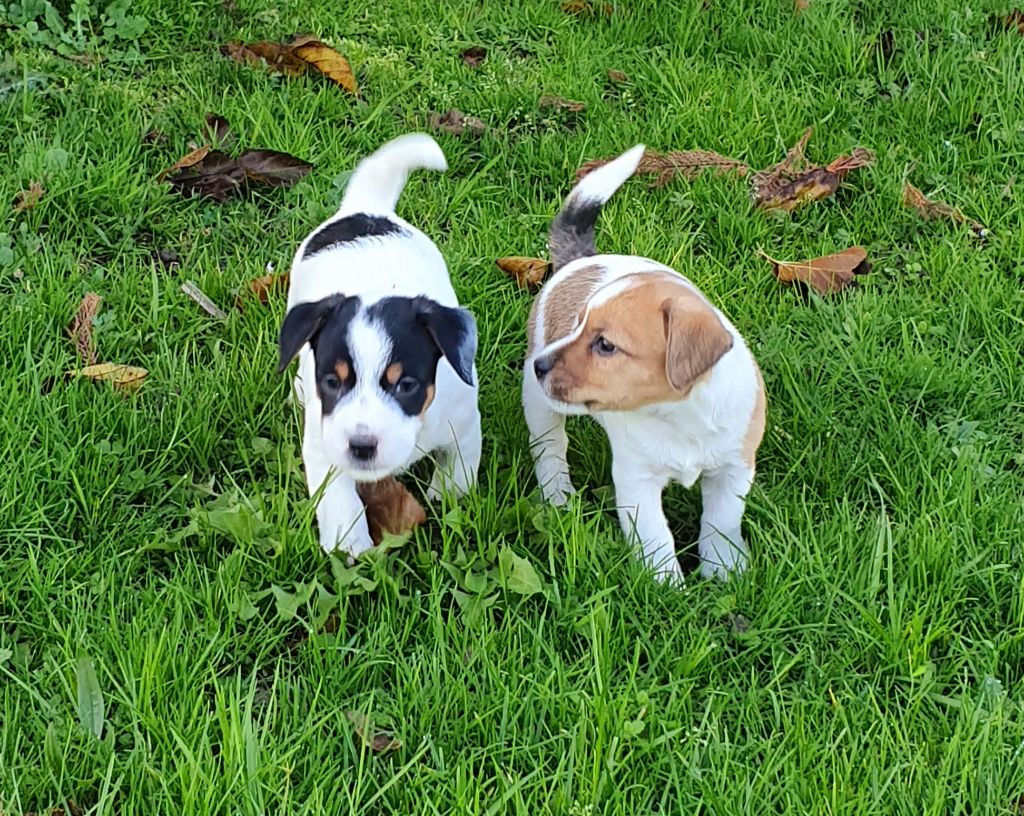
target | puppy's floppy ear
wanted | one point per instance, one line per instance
(453, 330)
(301, 324)
(695, 339)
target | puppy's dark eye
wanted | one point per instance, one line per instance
(331, 382)
(406, 386)
(603, 347)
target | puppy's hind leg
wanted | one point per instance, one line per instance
(721, 546)
(549, 443)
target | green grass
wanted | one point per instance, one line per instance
(870, 661)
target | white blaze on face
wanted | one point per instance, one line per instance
(368, 413)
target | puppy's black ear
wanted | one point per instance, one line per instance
(454, 332)
(301, 324)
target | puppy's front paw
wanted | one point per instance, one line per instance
(557, 490)
(721, 557)
(352, 542)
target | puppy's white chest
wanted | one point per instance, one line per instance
(676, 450)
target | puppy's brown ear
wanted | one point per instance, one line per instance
(695, 339)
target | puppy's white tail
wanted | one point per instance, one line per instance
(571, 235)
(379, 179)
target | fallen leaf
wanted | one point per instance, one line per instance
(261, 288)
(276, 56)
(27, 199)
(127, 378)
(217, 128)
(550, 101)
(215, 175)
(456, 123)
(168, 258)
(527, 272)
(292, 59)
(587, 7)
(801, 5)
(827, 274)
(272, 167)
(1015, 20)
(618, 77)
(390, 508)
(787, 185)
(665, 166)
(80, 330)
(474, 56)
(327, 61)
(207, 305)
(378, 741)
(190, 159)
(930, 209)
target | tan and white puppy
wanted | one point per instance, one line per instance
(637, 346)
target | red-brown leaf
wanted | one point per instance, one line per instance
(456, 123)
(552, 102)
(666, 166)
(80, 330)
(527, 272)
(278, 57)
(27, 199)
(390, 508)
(827, 274)
(261, 288)
(377, 741)
(929, 209)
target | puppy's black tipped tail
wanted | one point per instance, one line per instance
(572, 232)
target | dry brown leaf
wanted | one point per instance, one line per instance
(261, 288)
(127, 378)
(665, 166)
(327, 61)
(474, 56)
(929, 209)
(618, 77)
(390, 508)
(801, 5)
(207, 305)
(216, 175)
(80, 330)
(376, 741)
(527, 272)
(827, 274)
(217, 129)
(27, 199)
(190, 159)
(552, 102)
(787, 185)
(278, 57)
(456, 123)
(587, 7)
(1015, 20)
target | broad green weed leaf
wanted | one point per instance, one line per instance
(519, 574)
(90, 697)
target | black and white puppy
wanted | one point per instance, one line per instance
(386, 372)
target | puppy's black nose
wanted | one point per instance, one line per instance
(543, 365)
(362, 448)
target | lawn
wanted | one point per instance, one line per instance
(172, 639)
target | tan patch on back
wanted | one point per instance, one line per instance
(430, 398)
(755, 430)
(650, 320)
(564, 301)
(393, 373)
(342, 370)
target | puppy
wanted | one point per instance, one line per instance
(386, 372)
(635, 345)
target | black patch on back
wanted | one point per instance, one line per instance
(411, 346)
(349, 229)
(330, 347)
